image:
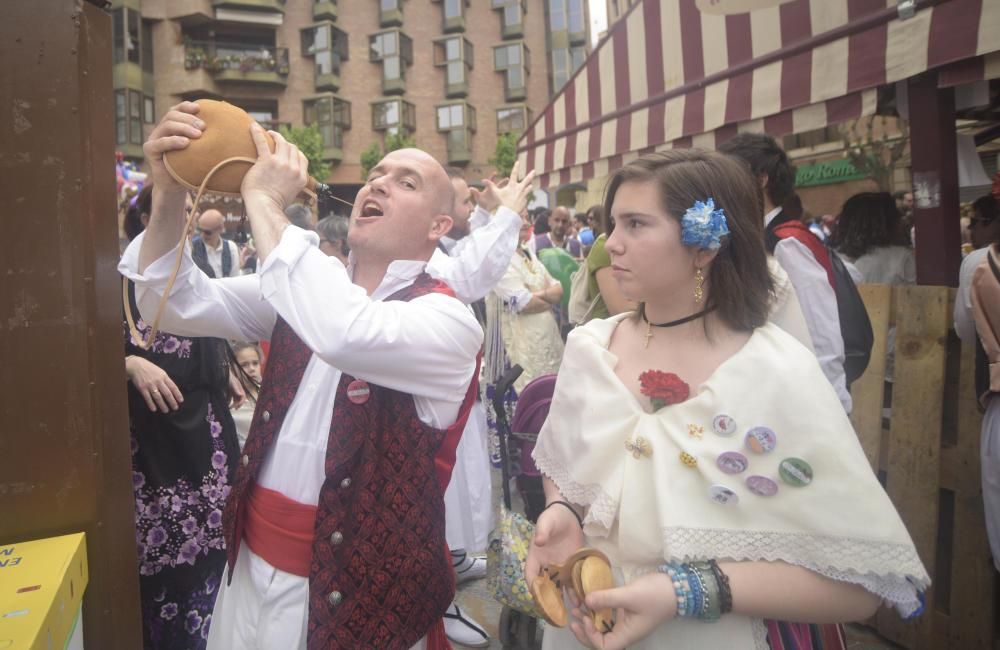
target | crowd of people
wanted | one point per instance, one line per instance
(311, 412)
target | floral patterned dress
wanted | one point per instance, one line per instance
(182, 464)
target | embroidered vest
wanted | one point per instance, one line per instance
(380, 573)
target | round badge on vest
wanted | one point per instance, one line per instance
(358, 391)
(795, 472)
(732, 462)
(723, 495)
(762, 486)
(761, 440)
(723, 425)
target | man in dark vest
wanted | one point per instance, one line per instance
(215, 255)
(335, 520)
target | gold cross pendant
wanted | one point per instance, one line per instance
(640, 448)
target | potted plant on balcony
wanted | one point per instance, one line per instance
(194, 57)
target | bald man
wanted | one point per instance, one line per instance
(559, 235)
(334, 524)
(217, 257)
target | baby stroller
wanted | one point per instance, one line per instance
(516, 629)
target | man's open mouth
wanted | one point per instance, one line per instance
(371, 209)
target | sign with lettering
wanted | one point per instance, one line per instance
(729, 7)
(824, 173)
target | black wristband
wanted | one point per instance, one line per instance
(725, 592)
(579, 519)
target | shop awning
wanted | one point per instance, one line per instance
(676, 73)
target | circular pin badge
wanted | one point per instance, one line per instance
(723, 425)
(761, 440)
(358, 391)
(732, 462)
(762, 486)
(723, 495)
(795, 472)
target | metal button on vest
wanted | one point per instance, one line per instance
(346, 483)
(245, 460)
(336, 538)
(334, 598)
(266, 416)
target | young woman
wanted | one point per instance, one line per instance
(868, 234)
(183, 447)
(701, 447)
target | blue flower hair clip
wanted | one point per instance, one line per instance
(704, 226)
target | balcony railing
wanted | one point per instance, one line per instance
(238, 62)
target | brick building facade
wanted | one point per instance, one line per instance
(453, 74)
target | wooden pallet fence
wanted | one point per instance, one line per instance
(928, 460)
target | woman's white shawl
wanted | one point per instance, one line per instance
(643, 511)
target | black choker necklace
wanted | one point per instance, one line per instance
(673, 323)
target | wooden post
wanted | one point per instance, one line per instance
(65, 464)
(935, 181)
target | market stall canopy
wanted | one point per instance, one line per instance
(681, 73)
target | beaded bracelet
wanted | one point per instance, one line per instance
(699, 590)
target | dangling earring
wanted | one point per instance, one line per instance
(699, 279)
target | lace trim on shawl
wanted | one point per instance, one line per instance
(848, 560)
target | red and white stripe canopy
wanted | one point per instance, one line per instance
(680, 73)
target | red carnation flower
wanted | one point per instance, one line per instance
(663, 388)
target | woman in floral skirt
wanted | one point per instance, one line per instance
(183, 441)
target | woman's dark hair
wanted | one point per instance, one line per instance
(143, 204)
(739, 282)
(541, 221)
(600, 216)
(867, 220)
(986, 208)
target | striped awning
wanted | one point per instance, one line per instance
(676, 73)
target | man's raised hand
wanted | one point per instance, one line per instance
(514, 194)
(277, 177)
(174, 131)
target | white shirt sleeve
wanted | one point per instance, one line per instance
(479, 260)
(819, 307)
(785, 310)
(965, 325)
(433, 338)
(228, 308)
(511, 289)
(234, 251)
(480, 217)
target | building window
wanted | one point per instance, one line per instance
(454, 15)
(126, 25)
(557, 15)
(512, 59)
(458, 123)
(327, 45)
(131, 109)
(454, 54)
(394, 115)
(390, 13)
(394, 50)
(512, 119)
(565, 62)
(576, 17)
(512, 17)
(331, 115)
(147, 46)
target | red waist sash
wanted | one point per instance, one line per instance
(280, 530)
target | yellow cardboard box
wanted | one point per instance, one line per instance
(41, 592)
